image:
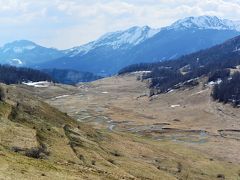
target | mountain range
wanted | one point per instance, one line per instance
(113, 51)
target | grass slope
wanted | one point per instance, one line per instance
(39, 142)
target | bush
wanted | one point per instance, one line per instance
(111, 161)
(34, 153)
(116, 153)
(220, 176)
(17, 149)
(2, 94)
(93, 162)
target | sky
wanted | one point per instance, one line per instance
(67, 23)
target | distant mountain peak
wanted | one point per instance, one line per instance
(20, 43)
(25, 52)
(18, 46)
(206, 22)
(119, 39)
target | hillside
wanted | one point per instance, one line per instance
(113, 51)
(120, 106)
(38, 141)
(217, 63)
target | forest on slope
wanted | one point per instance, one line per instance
(214, 63)
(15, 75)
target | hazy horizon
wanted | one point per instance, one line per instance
(64, 24)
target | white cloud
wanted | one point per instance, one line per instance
(66, 23)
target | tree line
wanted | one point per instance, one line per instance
(15, 75)
(214, 63)
(228, 91)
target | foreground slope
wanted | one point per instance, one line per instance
(162, 137)
(39, 142)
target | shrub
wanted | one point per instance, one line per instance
(111, 161)
(34, 153)
(2, 94)
(220, 176)
(116, 153)
(93, 162)
(17, 149)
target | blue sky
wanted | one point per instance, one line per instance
(67, 23)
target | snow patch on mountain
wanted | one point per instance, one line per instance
(237, 49)
(16, 62)
(22, 49)
(40, 84)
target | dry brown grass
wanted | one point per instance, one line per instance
(73, 147)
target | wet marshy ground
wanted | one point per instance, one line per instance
(157, 131)
(230, 133)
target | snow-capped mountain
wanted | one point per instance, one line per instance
(26, 53)
(205, 22)
(116, 40)
(116, 50)
(137, 35)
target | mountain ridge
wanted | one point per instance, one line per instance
(168, 43)
(200, 22)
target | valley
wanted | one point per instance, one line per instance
(182, 134)
(188, 116)
(139, 103)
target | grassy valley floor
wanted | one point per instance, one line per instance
(115, 131)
